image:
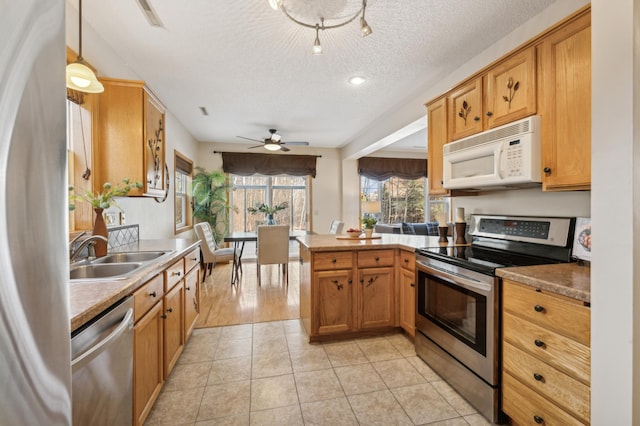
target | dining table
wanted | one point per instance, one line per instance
(239, 239)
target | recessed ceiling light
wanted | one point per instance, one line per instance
(357, 80)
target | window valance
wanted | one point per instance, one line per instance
(383, 168)
(245, 164)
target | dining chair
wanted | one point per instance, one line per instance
(336, 227)
(273, 248)
(210, 253)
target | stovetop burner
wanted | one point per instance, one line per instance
(502, 241)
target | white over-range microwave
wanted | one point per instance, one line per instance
(502, 158)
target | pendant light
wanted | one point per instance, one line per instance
(79, 75)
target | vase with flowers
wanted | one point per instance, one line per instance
(268, 211)
(100, 201)
(368, 224)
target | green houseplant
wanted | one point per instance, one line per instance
(210, 200)
(369, 222)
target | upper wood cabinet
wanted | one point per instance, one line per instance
(511, 89)
(129, 137)
(437, 137)
(465, 110)
(565, 106)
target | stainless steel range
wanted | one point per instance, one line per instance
(458, 299)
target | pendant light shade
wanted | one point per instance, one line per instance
(79, 76)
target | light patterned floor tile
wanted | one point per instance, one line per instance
(235, 420)
(398, 372)
(378, 349)
(273, 392)
(225, 400)
(236, 332)
(329, 412)
(424, 404)
(234, 348)
(270, 364)
(403, 344)
(177, 407)
(422, 368)
(345, 354)
(317, 385)
(229, 370)
(361, 378)
(477, 420)
(270, 343)
(458, 402)
(309, 360)
(185, 376)
(378, 408)
(290, 416)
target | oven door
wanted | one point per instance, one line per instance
(457, 310)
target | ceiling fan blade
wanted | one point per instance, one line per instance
(257, 146)
(249, 139)
(296, 143)
(284, 148)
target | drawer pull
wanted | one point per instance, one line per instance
(538, 377)
(377, 259)
(176, 274)
(538, 343)
(153, 294)
(334, 260)
(163, 316)
(538, 419)
(194, 259)
(169, 309)
(406, 260)
(538, 308)
(188, 288)
(350, 281)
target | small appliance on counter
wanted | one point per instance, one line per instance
(458, 299)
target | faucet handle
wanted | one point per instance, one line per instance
(77, 237)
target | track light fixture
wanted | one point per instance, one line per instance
(79, 76)
(365, 29)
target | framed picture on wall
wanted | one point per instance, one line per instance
(582, 239)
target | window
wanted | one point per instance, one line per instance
(183, 170)
(250, 191)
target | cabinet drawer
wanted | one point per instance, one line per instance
(565, 391)
(525, 406)
(192, 259)
(174, 274)
(374, 258)
(562, 315)
(332, 260)
(147, 296)
(408, 260)
(560, 352)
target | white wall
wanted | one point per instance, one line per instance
(326, 188)
(615, 282)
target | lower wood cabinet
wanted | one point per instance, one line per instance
(546, 357)
(165, 312)
(351, 292)
(407, 284)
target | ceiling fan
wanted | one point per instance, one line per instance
(274, 142)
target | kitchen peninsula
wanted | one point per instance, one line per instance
(356, 287)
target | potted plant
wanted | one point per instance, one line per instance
(268, 211)
(210, 200)
(368, 224)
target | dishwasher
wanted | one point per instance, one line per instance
(102, 368)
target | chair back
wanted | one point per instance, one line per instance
(273, 244)
(336, 227)
(207, 242)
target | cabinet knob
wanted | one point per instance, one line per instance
(169, 309)
(350, 281)
(441, 182)
(489, 113)
(176, 274)
(153, 294)
(163, 316)
(149, 181)
(547, 170)
(406, 260)
(538, 343)
(538, 377)
(194, 259)
(538, 419)
(476, 118)
(377, 259)
(538, 308)
(188, 288)
(412, 284)
(334, 260)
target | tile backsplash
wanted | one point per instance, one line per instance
(120, 235)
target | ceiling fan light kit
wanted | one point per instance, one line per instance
(274, 142)
(365, 29)
(79, 76)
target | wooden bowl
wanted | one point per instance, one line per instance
(354, 234)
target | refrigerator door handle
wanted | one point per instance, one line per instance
(85, 357)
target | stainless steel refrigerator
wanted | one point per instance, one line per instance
(35, 372)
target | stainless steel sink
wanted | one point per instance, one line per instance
(126, 257)
(94, 271)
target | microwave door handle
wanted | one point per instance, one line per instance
(499, 162)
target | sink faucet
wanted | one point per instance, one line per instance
(89, 242)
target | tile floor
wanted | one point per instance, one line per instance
(267, 374)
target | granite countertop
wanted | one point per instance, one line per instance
(89, 298)
(568, 279)
(330, 242)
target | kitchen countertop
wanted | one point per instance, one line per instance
(568, 279)
(329, 242)
(89, 298)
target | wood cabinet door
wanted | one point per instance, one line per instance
(335, 301)
(154, 145)
(565, 65)
(173, 327)
(437, 137)
(191, 301)
(407, 301)
(147, 362)
(511, 89)
(375, 298)
(465, 110)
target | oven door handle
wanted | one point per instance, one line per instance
(461, 279)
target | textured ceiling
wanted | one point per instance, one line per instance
(252, 68)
